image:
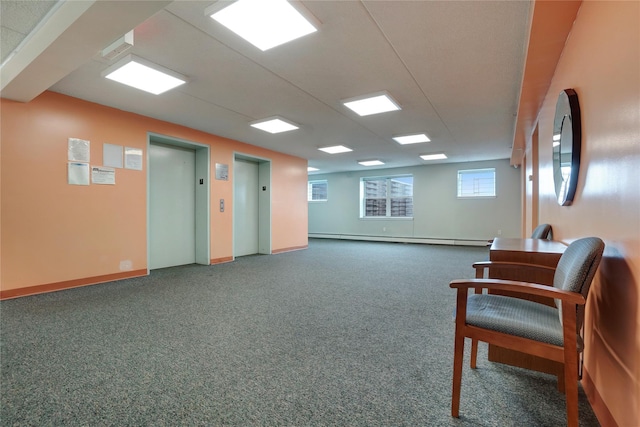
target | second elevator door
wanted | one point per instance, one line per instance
(245, 208)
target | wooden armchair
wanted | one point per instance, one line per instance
(527, 326)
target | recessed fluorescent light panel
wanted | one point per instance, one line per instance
(371, 163)
(433, 156)
(274, 125)
(144, 75)
(263, 23)
(312, 169)
(372, 104)
(336, 149)
(411, 139)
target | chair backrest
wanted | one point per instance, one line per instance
(543, 231)
(576, 269)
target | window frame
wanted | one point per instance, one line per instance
(388, 198)
(479, 194)
(310, 190)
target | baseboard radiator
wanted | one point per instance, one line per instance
(394, 239)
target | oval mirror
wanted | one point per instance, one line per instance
(566, 146)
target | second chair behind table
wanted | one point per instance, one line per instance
(542, 231)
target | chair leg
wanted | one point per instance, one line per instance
(571, 393)
(458, 350)
(458, 353)
(561, 381)
(474, 342)
(474, 352)
(570, 364)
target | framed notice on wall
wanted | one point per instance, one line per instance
(78, 173)
(112, 155)
(78, 150)
(133, 158)
(103, 175)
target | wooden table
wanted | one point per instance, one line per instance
(530, 251)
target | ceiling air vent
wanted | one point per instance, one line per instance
(119, 46)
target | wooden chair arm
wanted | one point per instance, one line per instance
(482, 266)
(519, 287)
(506, 264)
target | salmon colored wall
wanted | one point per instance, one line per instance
(53, 232)
(601, 61)
(293, 233)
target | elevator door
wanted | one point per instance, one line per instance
(245, 208)
(172, 206)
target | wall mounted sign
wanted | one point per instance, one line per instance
(103, 175)
(78, 173)
(133, 158)
(222, 172)
(112, 155)
(78, 150)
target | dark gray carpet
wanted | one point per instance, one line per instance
(341, 334)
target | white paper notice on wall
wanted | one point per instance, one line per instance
(133, 158)
(78, 173)
(78, 150)
(103, 175)
(112, 155)
(222, 172)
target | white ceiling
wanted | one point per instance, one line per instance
(455, 67)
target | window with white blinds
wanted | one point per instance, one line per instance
(477, 183)
(386, 197)
(317, 191)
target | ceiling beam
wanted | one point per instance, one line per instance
(550, 27)
(74, 33)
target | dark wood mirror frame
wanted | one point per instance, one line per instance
(567, 140)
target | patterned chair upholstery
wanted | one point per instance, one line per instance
(550, 332)
(542, 231)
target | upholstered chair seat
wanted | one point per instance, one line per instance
(522, 318)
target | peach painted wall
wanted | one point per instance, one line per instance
(54, 232)
(601, 61)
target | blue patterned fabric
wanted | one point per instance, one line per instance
(515, 316)
(577, 265)
(576, 268)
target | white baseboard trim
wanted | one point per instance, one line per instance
(424, 240)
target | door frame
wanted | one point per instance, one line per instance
(531, 185)
(203, 194)
(264, 201)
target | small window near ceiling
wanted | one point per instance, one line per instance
(317, 191)
(477, 183)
